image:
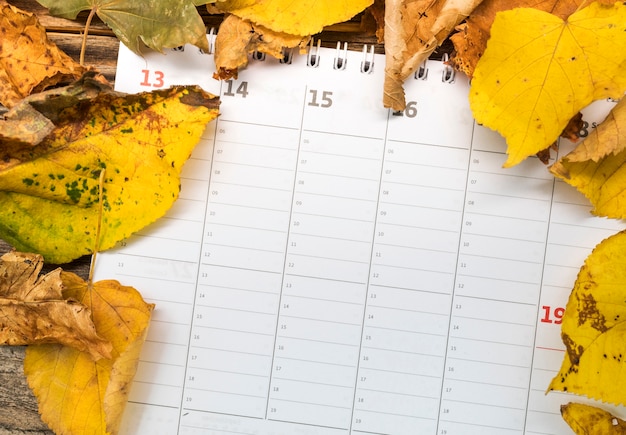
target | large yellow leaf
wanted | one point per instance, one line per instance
(76, 394)
(594, 326)
(538, 71)
(597, 166)
(589, 420)
(33, 310)
(471, 37)
(303, 18)
(49, 193)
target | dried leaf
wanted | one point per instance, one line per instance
(471, 37)
(158, 24)
(593, 328)
(413, 30)
(597, 167)
(49, 193)
(538, 71)
(33, 311)
(29, 62)
(589, 420)
(237, 38)
(77, 395)
(304, 18)
(33, 118)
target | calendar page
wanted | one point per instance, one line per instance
(332, 267)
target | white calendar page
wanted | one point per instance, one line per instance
(333, 268)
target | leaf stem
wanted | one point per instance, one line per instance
(96, 247)
(83, 47)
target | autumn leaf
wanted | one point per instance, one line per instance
(237, 38)
(49, 193)
(158, 24)
(303, 18)
(29, 62)
(76, 394)
(597, 166)
(413, 30)
(593, 327)
(589, 420)
(471, 36)
(33, 310)
(538, 71)
(34, 117)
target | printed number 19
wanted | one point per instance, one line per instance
(548, 313)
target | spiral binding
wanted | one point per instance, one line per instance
(447, 75)
(367, 64)
(287, 56)
(422, 71)
(341, 59)
(313, 56)
(211, 38)
(258, 55)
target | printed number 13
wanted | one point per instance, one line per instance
(158, 79)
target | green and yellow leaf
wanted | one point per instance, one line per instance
(49, 193)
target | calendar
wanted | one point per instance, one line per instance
(332, 267)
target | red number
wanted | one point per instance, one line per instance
(552, 316)
(158, 79)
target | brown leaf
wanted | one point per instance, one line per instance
(413, 29)
(237, 38)
(34, 117)
(32, 308)
(29, 62)
(471, 37)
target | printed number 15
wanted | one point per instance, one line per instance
(158, 79)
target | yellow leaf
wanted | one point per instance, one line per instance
(49, 193)
(538, 71)
(76, 394)
(471, 37)
(593, 328)
(33, 311)
(597, 166)
(29, 62)
(589, 420)
(303, 18)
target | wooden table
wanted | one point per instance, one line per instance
(18, 407)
